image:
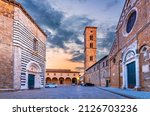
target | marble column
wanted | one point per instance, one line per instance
(124, 76)
(137, 72)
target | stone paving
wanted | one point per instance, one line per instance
(128, 92)
(62, 92)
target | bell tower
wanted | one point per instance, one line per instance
(90, 36)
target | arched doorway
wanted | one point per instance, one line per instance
(61, 80)
(68, 81)
(33, 75)
(55, 80)
(74, 81)
(131, 75)
(48, 80)
(131, 69)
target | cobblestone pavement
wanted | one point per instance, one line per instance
(61, 92)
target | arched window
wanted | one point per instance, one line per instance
(91, 45)
(145, 51)
(91, 37)
(35, 44)
(91, 58)
(114, 60)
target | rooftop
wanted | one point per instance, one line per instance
(14, 3)
(89, 27)
(98, 62)
(61, 71)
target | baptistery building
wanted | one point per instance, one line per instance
(22, 48)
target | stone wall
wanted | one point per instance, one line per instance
(99, 73)
(6, 54)
(139, 33)
(17, 33)
(25, 32)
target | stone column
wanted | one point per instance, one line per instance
(123, 76)
(137, 72)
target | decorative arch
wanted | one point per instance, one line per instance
(144, 52)
(33, 78)
(61, 80)
(74, 80)
(130, 54)
(33, 67)
(54, 80)
(48, 80)
(68, 81)
(144, 48)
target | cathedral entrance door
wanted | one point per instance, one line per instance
(131, 75)
(31, 79)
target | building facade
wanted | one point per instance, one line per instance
(130, 54)
(23, 48)
(129, 57)
(62, 76)
(98, 73)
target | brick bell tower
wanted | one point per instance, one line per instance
(90, 36)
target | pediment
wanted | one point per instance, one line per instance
(129, 4)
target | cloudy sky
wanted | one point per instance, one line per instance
(64, 22)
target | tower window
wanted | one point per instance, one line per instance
(107, 62)
(91, 58)
(91, 37)
(35, 44)
(91, 45)
(114, 60)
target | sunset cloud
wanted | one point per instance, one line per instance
(64, 24)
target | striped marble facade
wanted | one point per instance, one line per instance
(24, 46)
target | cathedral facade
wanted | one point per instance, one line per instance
(22, 49)
(130, 53)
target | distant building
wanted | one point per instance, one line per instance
(62, 76)
(22, 48)
(98, 73)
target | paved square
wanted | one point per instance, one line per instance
(61, 92)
